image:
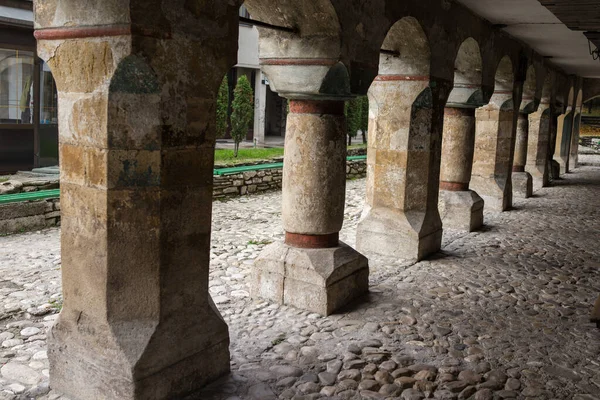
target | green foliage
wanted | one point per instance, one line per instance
(222, 108)
(364, 117)
(352, 110)
(243, 111)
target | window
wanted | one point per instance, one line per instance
(48, 97)
(16, 86)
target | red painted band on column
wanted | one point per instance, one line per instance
(454, 186)
(518, 168)
(316, 107)
(312, 241)
(82, 32)
(387, 78)
(299, 61)
(460, 112)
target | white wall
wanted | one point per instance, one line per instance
(248, 47)
(16, 13)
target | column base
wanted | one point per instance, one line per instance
(522, 184)
(136, 360)
(555, 169)
(318, 280)
(395, 234)
(461, 210)
(573, 163)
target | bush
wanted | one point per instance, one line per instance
(243, 111)
(364, 117)
(222, 108)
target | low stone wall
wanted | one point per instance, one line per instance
(269, 179)
(29, 215)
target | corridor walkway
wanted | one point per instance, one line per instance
(500, 313)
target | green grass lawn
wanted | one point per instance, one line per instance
(225, 156)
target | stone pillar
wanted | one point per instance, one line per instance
(521, 180)
(537, 147)
(401, 218)
(312, 269)
(574, 151)
(563, 140)
(492, 162)
(260, 108)
(460, 208)
(136, 121)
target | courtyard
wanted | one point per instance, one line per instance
(499, 313)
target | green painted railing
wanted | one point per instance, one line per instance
(55, 193)
(31, 196)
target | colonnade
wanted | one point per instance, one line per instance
(136, 103)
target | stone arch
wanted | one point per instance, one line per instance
(468, 78)
(504, 84)
(401, 217)
(413, 55)
(528, 101)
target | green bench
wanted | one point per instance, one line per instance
(247, 168)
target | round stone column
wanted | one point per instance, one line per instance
(522, 181)
(314, 173)
(312, 269)
(460, 208)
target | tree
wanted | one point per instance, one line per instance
(364, 117)
(222, 108)
(352, 110)
(243, 111)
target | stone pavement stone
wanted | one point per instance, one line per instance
(499, 313)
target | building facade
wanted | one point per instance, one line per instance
(28, 97)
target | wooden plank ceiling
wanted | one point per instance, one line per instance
(578, 15)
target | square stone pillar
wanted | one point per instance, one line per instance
(521, 179)
(136, 127)
(574, 151)
(492, 162)
(460, 208)
(401, 218)
(538, 147)
(312, 269)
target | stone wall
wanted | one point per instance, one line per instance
(29, 215)
(270, 179)
(26, 216)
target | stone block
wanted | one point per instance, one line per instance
(555, 169)
(230, 190)
(22, 209)
(318, 280)
(393, 233)
(22, 224)
(461, 210)
(522, 183)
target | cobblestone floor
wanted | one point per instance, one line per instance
(500, 313)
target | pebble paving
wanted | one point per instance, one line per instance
(502, 313)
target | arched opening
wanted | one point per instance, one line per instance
(522, 180)
(564, 132)
(400, 218)
(494, 141)
(461, 208)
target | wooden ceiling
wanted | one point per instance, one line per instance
(578, 15)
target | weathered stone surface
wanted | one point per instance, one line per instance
(319, 280)
(522, 184)
(461, 210)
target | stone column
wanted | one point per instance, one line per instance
(537, 147)
(460, 208)
(563, 140)
(401, 218)
(136, 121)
(312, 269)
(574, 151)
(260, 108)
(521, 180)
(492, 162)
